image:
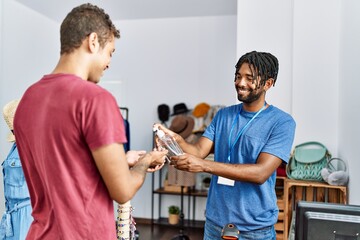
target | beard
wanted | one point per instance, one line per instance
(252, 95)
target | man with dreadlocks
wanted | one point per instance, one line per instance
(250, 140)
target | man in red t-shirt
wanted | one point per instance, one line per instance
(70, 137)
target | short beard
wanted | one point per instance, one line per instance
(252, 97)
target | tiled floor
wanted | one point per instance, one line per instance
(167, 232)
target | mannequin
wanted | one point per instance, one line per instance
(16, 220)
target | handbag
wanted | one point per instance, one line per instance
(307, 160)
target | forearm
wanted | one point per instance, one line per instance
(238, 172)
(149, 162)
(257, 173)
(199, 149)
(121, 182)
(126, 187)
(138, 174)
(189, 148)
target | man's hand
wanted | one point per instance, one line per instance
(156, 158)
(167, 131)
(133, 156)
(188, 162)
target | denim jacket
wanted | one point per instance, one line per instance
(15, 191)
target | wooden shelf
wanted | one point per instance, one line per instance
(279, 236)
(280, 225)
(187, 223)
(295, 190)
(191, 192)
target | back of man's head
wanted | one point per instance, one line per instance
(81, 22)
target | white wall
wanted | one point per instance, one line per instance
(156, 61)
(307, 47)
(267, 26)
(169, 61)
(316, 71)
(29, 48)
(319, 43)
(349, 85)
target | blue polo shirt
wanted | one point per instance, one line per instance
(248, 205)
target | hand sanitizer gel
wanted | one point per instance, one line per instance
(169, 143)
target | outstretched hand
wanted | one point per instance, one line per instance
(176, 136)
(158, 159)
(188, 162)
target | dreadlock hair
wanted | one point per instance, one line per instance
(261, 64)
(81, 22)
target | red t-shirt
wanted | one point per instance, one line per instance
(59, 119)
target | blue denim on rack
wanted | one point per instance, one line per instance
(17, 218)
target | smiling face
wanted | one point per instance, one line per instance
(248, 85)
(101, 61)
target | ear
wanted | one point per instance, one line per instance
(268, 84)
(93, 42)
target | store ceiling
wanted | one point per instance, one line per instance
(137, 9)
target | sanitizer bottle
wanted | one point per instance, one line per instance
(168, 143)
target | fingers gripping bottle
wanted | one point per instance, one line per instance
(168, 143)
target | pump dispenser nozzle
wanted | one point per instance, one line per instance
(168, 142)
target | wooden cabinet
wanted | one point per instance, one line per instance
(293, 190)
(280, 225)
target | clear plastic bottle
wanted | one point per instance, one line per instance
(168, 143)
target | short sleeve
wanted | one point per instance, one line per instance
(281, 139)
(102, 123)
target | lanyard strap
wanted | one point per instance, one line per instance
(241, 130)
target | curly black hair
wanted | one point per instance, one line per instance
(262, 64)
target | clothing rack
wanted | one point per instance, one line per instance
(124, 112)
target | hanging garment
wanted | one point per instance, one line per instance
(127, 129)
(125, 115)
(17, 218)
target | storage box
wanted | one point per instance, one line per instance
(174, 188)
(295, 191)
